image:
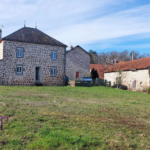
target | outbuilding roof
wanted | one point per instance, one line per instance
(32, 35)
(137, 64)
(77, 47)
(100, 69)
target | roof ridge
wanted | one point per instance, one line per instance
(33, 35)
(80, 47)
(137, 64)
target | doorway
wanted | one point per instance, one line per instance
(134, 85)
(37, 74)
(77, 75)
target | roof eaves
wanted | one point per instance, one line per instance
(1, 40)
(33, 42)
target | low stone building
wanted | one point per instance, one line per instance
(29, 57)
(134, 74)
(77, 63)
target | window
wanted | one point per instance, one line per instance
(53, 71)
(19, 69)
(19, 52)
(141, 84)
(53, 55)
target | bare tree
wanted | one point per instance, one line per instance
(94, 57)
(123, 56)
(107, 58)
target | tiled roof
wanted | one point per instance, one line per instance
(142, 63)
(76, 47)
(100, 69)
(32, 35)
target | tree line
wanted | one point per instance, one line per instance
(108, 58)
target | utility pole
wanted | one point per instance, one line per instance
(132, 54)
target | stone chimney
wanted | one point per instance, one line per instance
(71, 47)
(0, 33)
(115, 61)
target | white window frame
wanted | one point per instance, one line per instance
(54, 55)
(53, 71)
(19, 52)
(20, 69)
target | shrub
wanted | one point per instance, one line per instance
(148, 91)
(123, 87)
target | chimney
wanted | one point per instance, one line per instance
(0, 33)
(115, 61)
(71, 47)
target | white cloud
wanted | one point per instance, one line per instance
(134, 21)
(76, 21)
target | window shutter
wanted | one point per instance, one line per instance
(56, 56)
(21, 53)
(23, 69)
(56, 71)
(15, 69)
(17, 52)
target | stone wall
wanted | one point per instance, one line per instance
(34, 55)
(77, 60)
(141, 77)
(1, 50)
(1, 70)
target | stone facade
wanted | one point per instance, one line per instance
(34, 55)
(77, 60)
(135, 80)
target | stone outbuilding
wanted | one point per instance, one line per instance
(134, 74)
(29, 57)
(77, 63)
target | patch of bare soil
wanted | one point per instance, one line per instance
(116, 118)
(4, 142)
(129, 121)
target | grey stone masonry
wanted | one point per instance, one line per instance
(34, 55)
(77, 60)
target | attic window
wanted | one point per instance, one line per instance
(19, 52)
(133, 70)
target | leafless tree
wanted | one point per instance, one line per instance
(107, 58)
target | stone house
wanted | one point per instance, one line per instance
(29, 57)
(134, 74)
(77, 63)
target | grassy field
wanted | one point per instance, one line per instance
(81, 118)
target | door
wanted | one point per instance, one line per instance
(77, 75)
(134, 85)
(37, 74)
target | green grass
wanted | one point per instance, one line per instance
(84, 118)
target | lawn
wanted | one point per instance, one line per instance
(84, 118)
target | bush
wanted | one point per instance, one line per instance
(123, 87)
(148, 91)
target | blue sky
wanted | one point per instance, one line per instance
(100, 25)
